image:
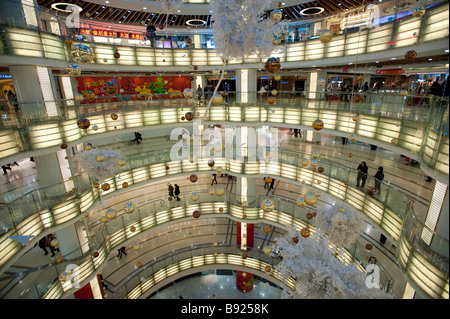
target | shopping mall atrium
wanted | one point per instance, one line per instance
(224, 149)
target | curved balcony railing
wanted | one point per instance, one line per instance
(402, 33)
(427, 265)
(387, 210)
(420, 130)
(106, 237)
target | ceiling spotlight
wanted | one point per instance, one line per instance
(430, 59)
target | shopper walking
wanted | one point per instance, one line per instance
(171, 189)
(177, 192)
(362, 174)
(214, 179)
(121, 251)
(379, 176)
(137, 137)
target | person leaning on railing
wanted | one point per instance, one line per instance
(379, 176)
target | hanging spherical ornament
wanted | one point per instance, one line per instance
(78, 97)
(83, 123)
(272, 65)
(122, 161)
(267, 229)
(353, 138)
(320, 169)
(419, 11)
(309, 215)
(211, 163)
(276, 15)
(95, 127)
(295, 239)
(305, 162)
(116, 55)
(161, 27)
(100, 157)
(188, 93)
(215, 72)
(73, 70)
(267, 205)
(193, 178)
(196, 214)
(369, 246)
(411, 55)
(195, 67)
(68, 42)
(267, 250)
(310, 198)
(133, 229)
(111, 213)
(271, 100)
(54, 242)
(64, 146)
(244, 204)
(105, 186)
(105, 60)
(350, 155)
(342, 210)
(357, 98)
(277, 78)
(217, 99)
(139, 264)
(194, 197)
(355, 118)
(394, 141)
(124, 184)
(189, 116)
(81, 53)
(114, 116)
(301, 202)
(104, 219)
(317, 125)
(221, 210)
(211, 191)
(325, 36)
(189, 41)
(220, 191)
(219, 169)
(136, 247)
(403, 92)
(305, 232)
(96, 185)
(129, 208)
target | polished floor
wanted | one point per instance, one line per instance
(23, 178)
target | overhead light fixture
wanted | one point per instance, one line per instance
(195, 22)
(312, 11)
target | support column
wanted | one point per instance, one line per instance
(246, 80)
(34, 84)
(69, 245)
(53, 169)
(316, 84)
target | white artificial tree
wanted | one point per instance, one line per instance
(171, 6)
(318, 273)
(341, 228)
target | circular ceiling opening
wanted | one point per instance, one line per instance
(66, 7)
(312, 11)
(195, 22)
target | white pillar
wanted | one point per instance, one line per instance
(246, 85)
(69, 245)
(316, 84)
(34, 84)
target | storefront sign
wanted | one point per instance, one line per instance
(390, 71)
(112, 34)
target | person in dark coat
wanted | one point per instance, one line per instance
(177, 192)
(362, 174)
(42, 244)
(171, 191)
(379, 176)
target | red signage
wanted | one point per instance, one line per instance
(112, 34)
(390, 71)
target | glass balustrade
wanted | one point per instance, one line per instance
(393, 126)
(105, 237)
(386, 210)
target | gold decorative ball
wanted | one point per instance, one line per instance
(129, 207)
(54, 242)
(133, 228)
(325, 36)
(318, 125)
(217, 99)
(136, 247)
(301, 202)
(219, 169)
(267, 205)
(403, 93)
(394, 141)
(271, 100)
(100, 157)
(357, 98)
(114, 116)
(124, 184)
(277, 78)
(267, 250)
(272, 65)
(194, 196)
(267, 229)
(220, 191)
(193, 178)
(276, 15)
(411, 55)
(353, 138)
(418, 12)
(267, 268)
(295, 239)
(111, 214)
(106, 186)
(221, 210)
(196, 214)
(305, 232)
(211, 163)
(81, 53)
(309, 215)
(310, 198)
(122, 161)
(139, 264)
(189, 116)
(369, 246)
(83, 123)
(320, 169)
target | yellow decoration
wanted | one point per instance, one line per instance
(325, 36)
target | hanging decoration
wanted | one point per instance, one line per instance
(171, 6)
(318, 273)
(342, 228)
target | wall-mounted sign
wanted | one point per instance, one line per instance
(390, 71)
(112, 34)
(5, 76)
